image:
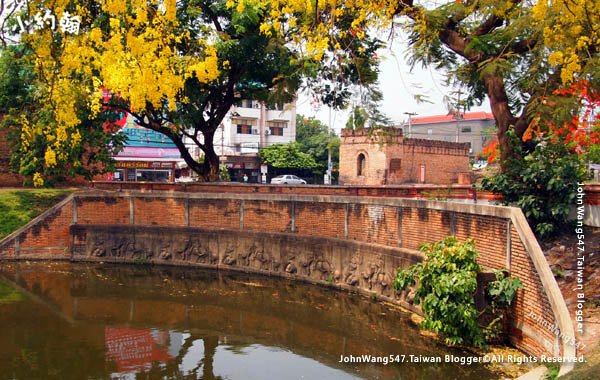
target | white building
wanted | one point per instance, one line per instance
(248, 127)
(474, 128)
(252, 125)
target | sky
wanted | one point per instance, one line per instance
(399, 86)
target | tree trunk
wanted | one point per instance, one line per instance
(210, 167)
(504, 118)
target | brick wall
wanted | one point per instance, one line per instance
(369, 222)
(393, 159)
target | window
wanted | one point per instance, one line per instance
(429, 131)
(277, 124)
(246, 103)
(395, 165)
(465, 129)
(276, 107)
(276, 131)
(153, 175)
(360, 165)
(276, 127)
(244, 129)
(244, 126)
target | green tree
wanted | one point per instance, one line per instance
(593, 153)
(87, 151)
(367, 113)
(178, 66)
(313, 138)
(542, 181)
(515, 53)
(287, 156)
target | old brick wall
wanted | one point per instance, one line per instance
(443, 161)
(271, 234)
(393, 159)
(355, 144)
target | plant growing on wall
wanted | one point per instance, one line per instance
(446, 281)
(500, 294)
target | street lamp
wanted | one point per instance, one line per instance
(410, 115)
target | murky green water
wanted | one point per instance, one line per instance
(93, 321)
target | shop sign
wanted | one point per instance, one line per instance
(145, 164)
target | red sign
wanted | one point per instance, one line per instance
(133, 349)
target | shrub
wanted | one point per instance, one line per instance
(542, 180)
(445, 284)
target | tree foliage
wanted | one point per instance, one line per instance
(178, 66)
(446, 282)
(313, 138)
(542, 182)
(515, 53)
(287, 156)
(367, 113)
(41, 152)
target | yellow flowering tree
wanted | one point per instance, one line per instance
(178, 66)
(517, 53)
(41, 152)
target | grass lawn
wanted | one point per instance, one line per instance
(19, 206)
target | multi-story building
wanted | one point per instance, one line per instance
(248, 127)
(474, 128)
(147, 155)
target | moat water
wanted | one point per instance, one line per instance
(100, 321)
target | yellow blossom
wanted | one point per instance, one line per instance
(38, 181)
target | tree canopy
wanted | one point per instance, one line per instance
(314, 139)
(40, 152)
(178, 66)
(287, 156)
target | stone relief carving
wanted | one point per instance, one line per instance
(229, 255)
(350, 272)
(257, 257)
(361, 269)
(97, 247)
(316, 267)
(196, 250)
(377, 277)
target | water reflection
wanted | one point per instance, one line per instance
(104, 321)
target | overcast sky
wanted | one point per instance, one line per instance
(399, 86)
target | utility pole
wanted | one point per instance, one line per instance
(410, 115)
(457, 115)
(329, 163)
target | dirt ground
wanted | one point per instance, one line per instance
(561, 253)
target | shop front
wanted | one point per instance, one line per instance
(238, 166)
(144, 171)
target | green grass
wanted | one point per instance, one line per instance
(589, 370)
(17, 207)
(9, 294)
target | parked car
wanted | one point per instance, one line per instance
(288, 179)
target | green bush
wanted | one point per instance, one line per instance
(445, 284)
(542, 180)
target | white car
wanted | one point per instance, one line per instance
(288, 179)
(480, 165)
